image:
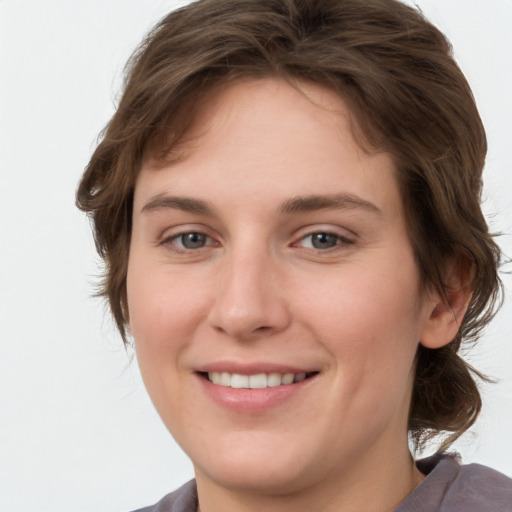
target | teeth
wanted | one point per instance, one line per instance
(274, 379)
(258, 381)
(287, 378)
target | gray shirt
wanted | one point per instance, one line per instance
(448, 487)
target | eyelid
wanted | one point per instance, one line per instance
(170, 235)
(330, 229)
(344, 236)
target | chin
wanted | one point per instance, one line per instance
(265, 467)
(264, 480)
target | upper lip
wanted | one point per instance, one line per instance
(252, 368)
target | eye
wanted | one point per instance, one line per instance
(323, 240)
(190, 241)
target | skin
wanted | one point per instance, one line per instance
(255, 290)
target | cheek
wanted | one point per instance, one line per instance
(368, 319)
(163, 318)
(163, 310)
(362, 299)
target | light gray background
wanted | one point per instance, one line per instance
(77, 431)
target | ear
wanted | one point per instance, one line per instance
(447, 309)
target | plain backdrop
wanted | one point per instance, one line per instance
(77, 431)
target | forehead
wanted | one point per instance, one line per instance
(267, 136)
(259, 102)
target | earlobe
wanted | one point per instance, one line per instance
(447, 311)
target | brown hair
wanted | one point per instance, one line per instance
(408, 96)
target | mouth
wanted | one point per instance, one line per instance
(256, 381)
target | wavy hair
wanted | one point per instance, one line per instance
(407, 96)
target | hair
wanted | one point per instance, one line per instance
(397, 74)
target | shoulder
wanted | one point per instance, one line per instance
(183, 499)
(452, 487)
(482, 488)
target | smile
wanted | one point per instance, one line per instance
(256, 381)
(246, 390)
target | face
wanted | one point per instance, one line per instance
(273, 294)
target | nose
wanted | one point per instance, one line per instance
(250, 298)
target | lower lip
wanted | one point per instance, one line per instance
(253, 401)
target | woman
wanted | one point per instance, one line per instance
(287, 202)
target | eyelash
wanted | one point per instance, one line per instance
(170, 242)
(340, 240)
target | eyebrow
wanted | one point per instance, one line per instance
(185, 204)
(323, 202)
(297, 204)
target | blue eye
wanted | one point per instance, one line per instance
(193, 240)
(323, 240)
(190, 241)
